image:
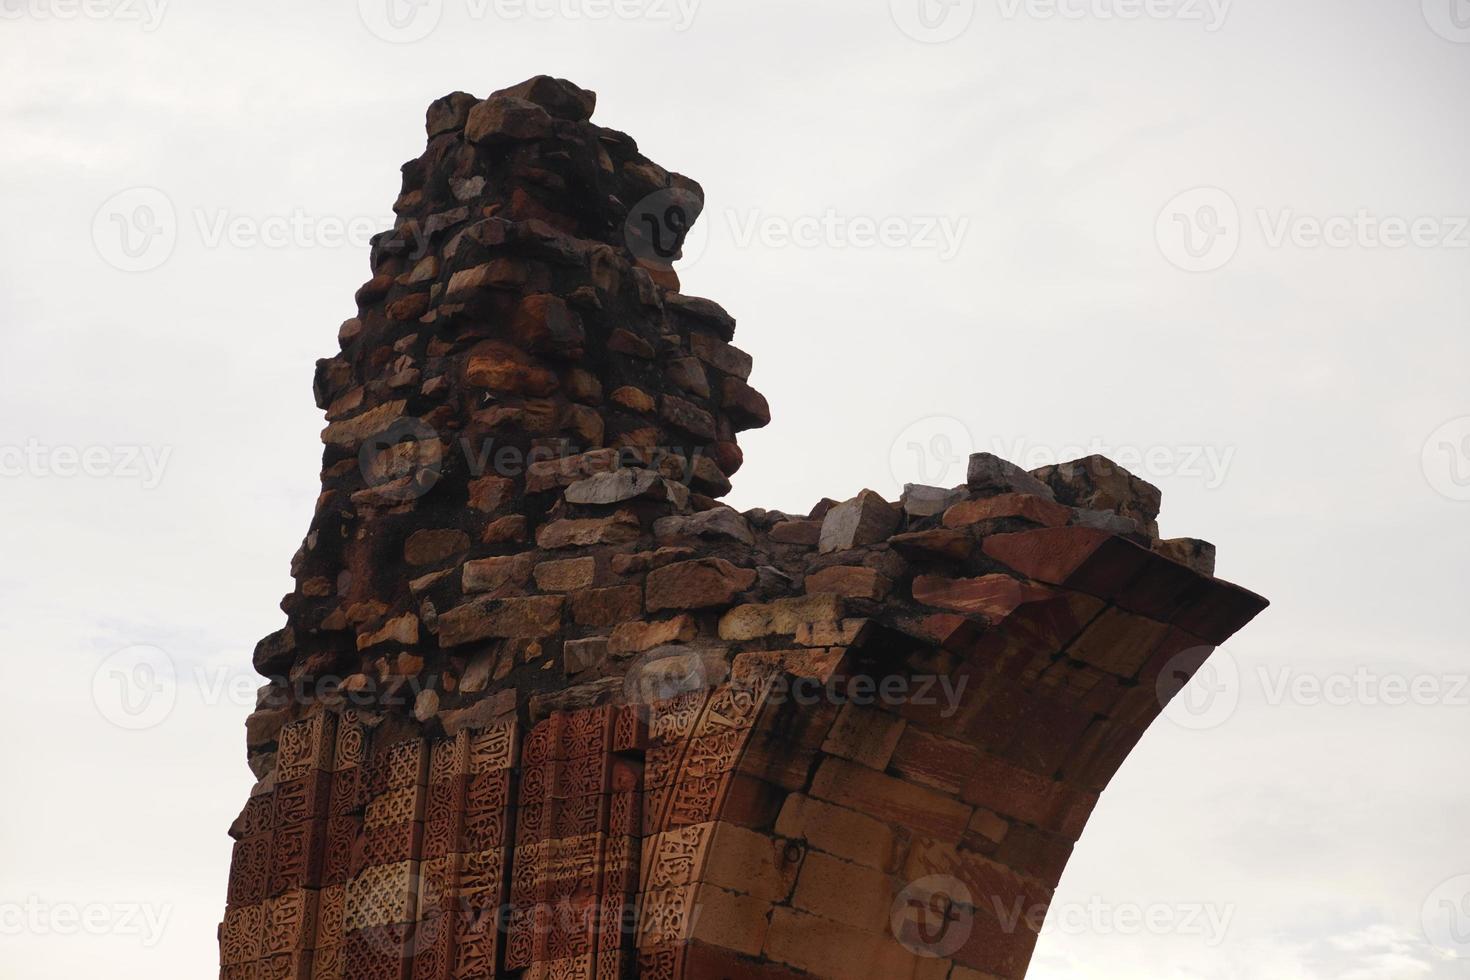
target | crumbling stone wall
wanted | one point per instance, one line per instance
(544, 707)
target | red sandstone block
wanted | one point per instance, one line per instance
(889, 798)
(250, 870)
(993, 596)
(625, 814)
(631, 731)
(379, 953)
(543, 743)
(487, 828)
(1215, 610)
(705, 960)
(849, 580)
(607, 607)
(1037, 853)
(1028, 506)
(296, 857)
(932, 760)
(1014, 792)
(390, 844)
(578, 816)
(751, 802)
(692, 801)
(1081, 558)
(343, 846)
(1160, 588)
(302, 799)
(996, 948)
(1100, 753)
(1118, 642)
(348, 793)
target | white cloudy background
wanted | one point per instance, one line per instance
(1302, 404)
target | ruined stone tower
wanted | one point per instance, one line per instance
(544, 708)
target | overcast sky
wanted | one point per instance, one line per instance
(1228, 241)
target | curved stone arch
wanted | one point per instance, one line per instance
(922, 835)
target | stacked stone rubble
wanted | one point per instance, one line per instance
(544, 707)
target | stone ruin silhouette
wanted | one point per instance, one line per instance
(545, 708)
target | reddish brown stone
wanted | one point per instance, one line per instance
(511, 739)
(849, 580)
(607, 607)
(992, 596)
(1029, 506)
(500, 618)
(697, 584)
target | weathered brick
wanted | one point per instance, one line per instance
(889, 798)
(697, 584)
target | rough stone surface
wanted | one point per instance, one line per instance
(532, 667)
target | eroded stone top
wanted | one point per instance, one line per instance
(528, 428)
